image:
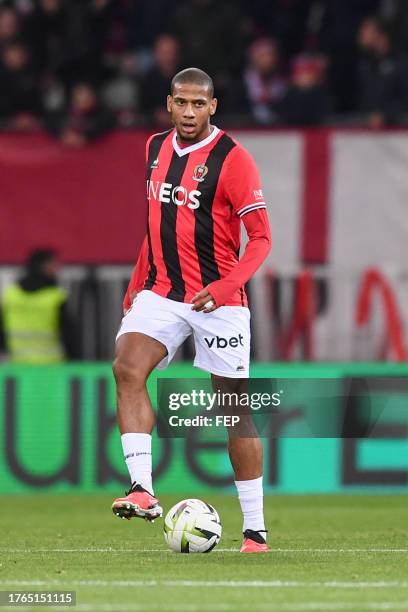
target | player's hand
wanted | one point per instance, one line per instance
(203, 301)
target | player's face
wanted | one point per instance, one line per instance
(191, 107)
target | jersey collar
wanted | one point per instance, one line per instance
(194, 147)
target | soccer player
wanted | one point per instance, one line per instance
(189, 280)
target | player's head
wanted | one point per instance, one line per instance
(191, 103)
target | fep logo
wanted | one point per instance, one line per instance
(179, 195)
(221, 343)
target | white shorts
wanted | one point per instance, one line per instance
(222, 337)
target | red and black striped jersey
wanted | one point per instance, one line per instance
(197, 196)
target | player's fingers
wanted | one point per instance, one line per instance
(205, 304)
(201, 294)
(199, 304)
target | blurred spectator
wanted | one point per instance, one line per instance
(85, 120)
(121, 93)
(9, 25)
(287, 23)
(306, 101)
(98, 17)
(130, 49)
(20, 100)
(336, 38)
(69, 37)
(46, 29)
(264, 83)
(211, 35)
(383, 76)
(91, 22)
(155, 86)
(35, 323)
(145, 21)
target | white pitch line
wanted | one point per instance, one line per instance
(219, 550)
(268, 584)
(79, 550)
(334, 551)
(220, 607)
(287, 584)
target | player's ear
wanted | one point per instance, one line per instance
(169, 103)
(213, 106)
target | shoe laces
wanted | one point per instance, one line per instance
(255, 535)
(136, 488)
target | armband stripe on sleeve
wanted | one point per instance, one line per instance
(250, 208)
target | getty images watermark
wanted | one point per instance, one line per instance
(208, 400)
(223, 401)
(342, 407)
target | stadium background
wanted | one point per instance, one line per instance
(319, 99)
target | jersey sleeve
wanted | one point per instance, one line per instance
(148, 142)
(242, 183)
(141, 268)
(256, 250)
(139, 275)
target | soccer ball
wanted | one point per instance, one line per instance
(192, 526)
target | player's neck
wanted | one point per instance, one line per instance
(203, 136)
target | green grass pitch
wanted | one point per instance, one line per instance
(327, 553)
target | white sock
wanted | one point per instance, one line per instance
(250, 494)
(137, 448)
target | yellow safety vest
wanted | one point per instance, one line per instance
(31, 324)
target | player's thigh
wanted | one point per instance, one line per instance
(155, 329)
(222, 341)
(137, 353)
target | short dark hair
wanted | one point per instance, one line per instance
(194, 76)
(38, 258)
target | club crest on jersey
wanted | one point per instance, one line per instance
(155, 164)
(200, 172)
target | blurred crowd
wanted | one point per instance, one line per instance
(81, 67)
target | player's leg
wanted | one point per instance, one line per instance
(149, 335)
(136, 356)
(222, 341)
(246, 456)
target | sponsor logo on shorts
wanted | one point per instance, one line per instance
(222, 343)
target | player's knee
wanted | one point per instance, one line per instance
(128, 374)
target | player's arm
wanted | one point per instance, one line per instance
(257, 249)
(242, 188)
(138, 278)
(141, 268)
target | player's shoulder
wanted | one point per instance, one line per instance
(159, 136)
(238, 154)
